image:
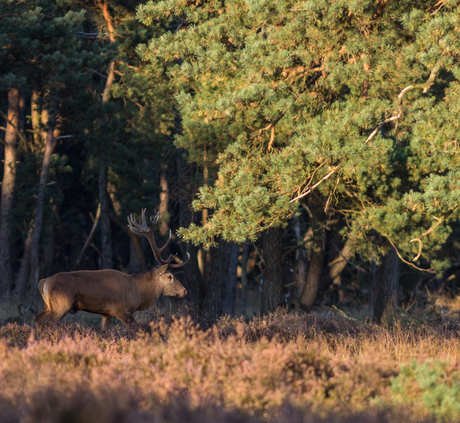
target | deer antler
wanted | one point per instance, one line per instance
(144, 230)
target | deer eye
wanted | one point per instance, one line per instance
(170, 277)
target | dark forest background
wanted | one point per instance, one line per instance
(306, 153)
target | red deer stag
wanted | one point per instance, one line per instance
(110, 292)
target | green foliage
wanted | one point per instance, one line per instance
(431, 384)
(278, 99)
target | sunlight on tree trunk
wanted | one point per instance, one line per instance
(163, 208)
(8, 184)
(40, 210)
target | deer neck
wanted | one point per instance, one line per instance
(149, 288)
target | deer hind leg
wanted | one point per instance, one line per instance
(55, 308)
(41, 318)
(46, 313)
(106, 321)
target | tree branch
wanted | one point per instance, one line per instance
(88, 240)
(18, 133)
(348, 261)
(428, 232)
(60, 137)
(314, 186)
(424, 86)
(408, 262)
(271, 126)
(105, 11)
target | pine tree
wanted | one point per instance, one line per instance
(355, 102)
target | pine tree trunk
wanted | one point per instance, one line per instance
(35, 117)
(315, 268)
(229, 300)
(386, 287)
(301, 260)
(244, 278)
(213, 304)
(8, 184)
(316, 255)
(106, 237)
(163, 208)
(272, 288)
(337, 266)
(40, 210)
(191, 276)
(372, 287)
(137, 260)
(24, 270)
(340, 262)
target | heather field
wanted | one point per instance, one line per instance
(281, 368)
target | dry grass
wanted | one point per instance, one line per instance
(282, 368)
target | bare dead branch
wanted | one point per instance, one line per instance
(348, 261)
(316, 185)
(55, 140)
(88, 240)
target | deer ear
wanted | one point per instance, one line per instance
(162, 269)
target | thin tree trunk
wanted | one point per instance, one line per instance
(229, 300)
(272, 288)
(135, 241)
(191, 277)
(88, 240)
(35, 115)
(301, 260)
(163, 209)
(386, 287)
(40, 210)
(339, 263)
(372, 287)
(244, 278)
(24, 270)
(22, 279)
(8, 184)
(106, 238)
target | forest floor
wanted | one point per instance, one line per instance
(282, 368)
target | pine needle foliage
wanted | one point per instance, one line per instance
(353, 102)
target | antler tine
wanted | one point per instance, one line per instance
(143, 229)
(176, 265)
(134, 226)
(153, 221)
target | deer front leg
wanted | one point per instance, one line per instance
(106, 321)
(128, 319)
